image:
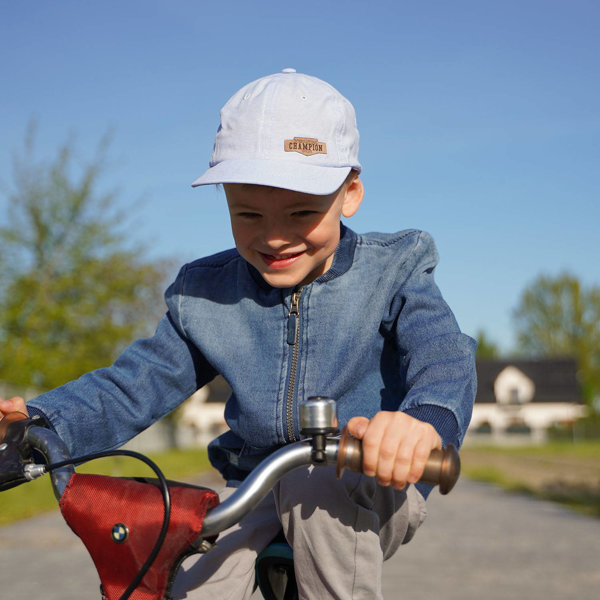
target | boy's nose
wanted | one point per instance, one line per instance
(276, 235)
(276, 242)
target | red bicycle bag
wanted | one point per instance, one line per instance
(119, 521)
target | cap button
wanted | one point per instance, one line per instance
(288, 70)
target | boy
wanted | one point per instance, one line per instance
(302, 307)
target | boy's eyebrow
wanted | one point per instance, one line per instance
(243, 206)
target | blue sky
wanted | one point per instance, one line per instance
(479, 120)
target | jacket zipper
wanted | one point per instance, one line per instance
(293, 339)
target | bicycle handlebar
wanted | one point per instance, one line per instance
(21, 438)
(443, 469)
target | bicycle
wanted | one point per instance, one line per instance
(129, 512)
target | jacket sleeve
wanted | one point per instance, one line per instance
(437, 359)
(105, 408)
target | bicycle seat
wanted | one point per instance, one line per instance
(275, 576)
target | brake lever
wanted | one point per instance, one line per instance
(15, 451)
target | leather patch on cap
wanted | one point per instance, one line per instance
(306, 146)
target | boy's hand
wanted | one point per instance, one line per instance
(395, 446)
(13, 404)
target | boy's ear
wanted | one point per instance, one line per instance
(354, 195)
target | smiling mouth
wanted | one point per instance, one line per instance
(280, 261)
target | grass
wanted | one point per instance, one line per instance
(564, 472)
(37, 496)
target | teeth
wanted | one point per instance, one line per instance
(283, 256)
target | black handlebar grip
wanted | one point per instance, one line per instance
(8, 420)
(14, 450)
(442, 468)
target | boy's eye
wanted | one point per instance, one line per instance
(305, 213)
(248, 215)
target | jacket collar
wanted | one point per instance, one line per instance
(344, 255)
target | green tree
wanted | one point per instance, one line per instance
(486, 348)
(558, 316)
(73, 289)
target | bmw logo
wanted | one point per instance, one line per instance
(119, 533)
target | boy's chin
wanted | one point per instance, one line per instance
(288, 280)
(279, 281)
(292, 276)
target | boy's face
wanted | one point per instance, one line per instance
(289, 237)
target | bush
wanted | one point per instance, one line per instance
(587, 428)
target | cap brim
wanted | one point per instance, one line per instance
(286, 174)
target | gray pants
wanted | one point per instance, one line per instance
(341, 531)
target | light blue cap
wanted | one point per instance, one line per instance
(286, 130)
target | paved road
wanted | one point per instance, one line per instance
(478, 543)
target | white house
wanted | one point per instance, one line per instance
(202, 415)
(524, 398)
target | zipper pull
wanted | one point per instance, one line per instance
(293, 318)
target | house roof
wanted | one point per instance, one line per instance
(555, 379)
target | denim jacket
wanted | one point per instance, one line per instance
(373, 332)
